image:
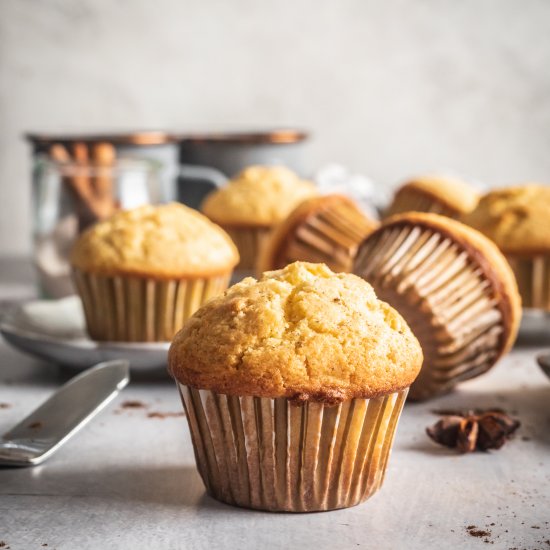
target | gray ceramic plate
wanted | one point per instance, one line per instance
(54, 330)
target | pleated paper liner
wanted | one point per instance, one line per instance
(533, 278)
(249, 241)
(445, 299)
(326, 230)
(134, 309)
(269, 454)
(412, 201)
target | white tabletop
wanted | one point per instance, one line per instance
(128, 480)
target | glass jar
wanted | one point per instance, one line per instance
(69, 195)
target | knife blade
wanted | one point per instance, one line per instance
(42, 432)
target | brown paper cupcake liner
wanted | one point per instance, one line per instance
(249, 242)
(410, 201)
(329, 236)
(134, 309)
(533, 278)
(326, 230)
(445, 299)
(272, 455)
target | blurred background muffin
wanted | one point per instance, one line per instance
(143, 272)
(251, 204)
(326, 229)
(453, 287)
(517, 219)
(444, 195)
(303, 372)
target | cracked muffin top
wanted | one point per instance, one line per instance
(302, 332)
(167, 241)
(259, 196)
(517, 218)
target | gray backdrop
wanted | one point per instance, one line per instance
(389, 87)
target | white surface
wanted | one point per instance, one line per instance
(129, 481)
(388, 88)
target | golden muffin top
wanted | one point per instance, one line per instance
(167, 241)
(302, 332)
(451, 192)
(260, 196)
(517, 219)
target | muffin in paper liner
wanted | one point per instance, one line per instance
(293, 385)
(436, 195)
(252, 203)
(326, 229)
(410, 201)
(143, 272)
(140, 309)
(271, 454)
(249, 242)
(517, 220)
(533, 278)
(454, 289)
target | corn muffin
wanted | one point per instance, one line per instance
(143, 272)
(326, 229)
(443, 195)
(517, 219)
(250, 205)
(453, 287)
(293, 385)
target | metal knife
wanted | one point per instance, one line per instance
(41, 433)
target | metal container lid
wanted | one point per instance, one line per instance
(280, 135)
(139, 138)
(42, 141)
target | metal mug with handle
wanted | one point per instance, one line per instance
(207, 161)
(195, 182)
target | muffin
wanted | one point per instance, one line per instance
(437, 194)
(293, 386)
(453, 287)
(143, 272)
(250, 205)
(517, 219)
(325, 229)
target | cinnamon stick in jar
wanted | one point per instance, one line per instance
(88, 173)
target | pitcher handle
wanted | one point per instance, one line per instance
(195, 182)
(204, 173)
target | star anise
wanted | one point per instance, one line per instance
(469, 431)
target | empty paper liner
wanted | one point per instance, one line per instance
(270, 454)
(445, 297)
(135, 309)
(326, 229)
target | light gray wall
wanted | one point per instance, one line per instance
(389, 87)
